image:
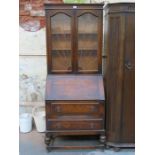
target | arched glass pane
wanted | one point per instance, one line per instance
(87, 42)
(61, 42)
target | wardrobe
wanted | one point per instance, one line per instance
(119, 75)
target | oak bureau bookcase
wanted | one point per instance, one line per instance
(74, 86)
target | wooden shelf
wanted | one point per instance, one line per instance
(79, 50)
(85, 52)
(61, 50)
(87, 34)
(89, 53)
(54, 34)
(88, 50)
(68, 34)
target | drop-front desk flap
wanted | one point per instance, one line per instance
(74, 87)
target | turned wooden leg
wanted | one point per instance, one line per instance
(47, 139)
(48, 149)
(102, 140)
(107, 147)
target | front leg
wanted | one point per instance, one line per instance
(47, 139)
(102, 140)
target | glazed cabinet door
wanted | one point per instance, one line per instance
(59, 41)
(74, 40)
(89, 45)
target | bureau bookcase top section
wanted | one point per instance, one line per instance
(74, 38)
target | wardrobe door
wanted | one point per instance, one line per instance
(128, 106)
(114, 77)
(119, 76)
(60, 44)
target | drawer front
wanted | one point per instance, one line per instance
(76, 108)
(74, 125)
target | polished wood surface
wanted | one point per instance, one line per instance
(76, 6)
(74, 87)
(120, 74)
(74, 38)
(75, 124)
(83, 109)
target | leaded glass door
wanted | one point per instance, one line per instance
(74, 41)
(61, 41)
(88, 41)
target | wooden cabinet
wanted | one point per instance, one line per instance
(119, 44)
(74, 86)
(75, 106)
(74, 38)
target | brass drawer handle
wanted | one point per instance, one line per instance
(58, 109)
(58, 125)
(92, 125)
(93, 109)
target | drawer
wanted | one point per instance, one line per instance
(75, 125)
(74, 108)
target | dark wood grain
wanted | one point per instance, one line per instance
(94, 124)
(66, 109)
(64, 59)
(128, 108)
(70, 6)
(119, 74)
(74, 87)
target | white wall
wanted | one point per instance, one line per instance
(32, 66)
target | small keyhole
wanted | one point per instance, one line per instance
(58, 109)
(92, 125)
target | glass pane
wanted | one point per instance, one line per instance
(87, 42)
(61, 42)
